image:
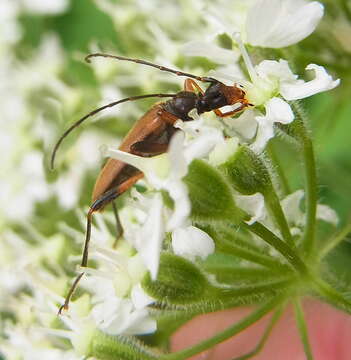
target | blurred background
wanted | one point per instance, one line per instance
(45, 85)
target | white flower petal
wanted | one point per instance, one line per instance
(179, 166)
(229, 74)
(149, 238)
(300, 89)
(46, 7)
(191, 242)
(278, 70)
(203, 144)
(253, 205)
(140, 323)
(245, 125)
(155, 168)
(134, 160)
(117, 316)
(260, 20)
(140, 298)
(291, 207)
(106, 313)
(210, 51)
(277, 110)
(182, 207)
(101, 286)
(327, 214)
(265, 132)
(294, 214)
(280, 23)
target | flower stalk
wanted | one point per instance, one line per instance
(303, 330)
(289, 254)
(228, 333)
(274, 319)
(309, 239)
(275, 208)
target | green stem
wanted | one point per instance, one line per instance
(302, 326)
(276, 210)
(335, 241)
(264, 337)
(270, 287)
(302, 134)
(290, 254)
(244, 274)
(250, 255)
(346, 9)
(284, 185)
(331, 295)
(311, 196)
(226, 334)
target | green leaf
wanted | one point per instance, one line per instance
(210, 196)
(84, 23)
(178, 282)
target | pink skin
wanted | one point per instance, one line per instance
(329, 335)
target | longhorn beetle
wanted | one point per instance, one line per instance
(150, 136)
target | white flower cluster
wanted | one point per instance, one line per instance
(147, 218)
(117, 304)
(271, 24)
(271, 83)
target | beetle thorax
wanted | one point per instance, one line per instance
(181, 104)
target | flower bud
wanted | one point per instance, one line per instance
(178, 282)
(210, 195)
(247, 172)
(108, 347)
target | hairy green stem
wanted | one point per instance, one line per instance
(331, 295)
(275, 317)
(302, 327)
(284, 185)
(290, 254)
(276, 210)
(335, 241)
(270, 287)
(250, 255)
(346, 9)
(226, 334)
(311, 196)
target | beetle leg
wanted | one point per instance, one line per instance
(191, 85)
(98, 204)
(148, 149)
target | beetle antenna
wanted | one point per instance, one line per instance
(160, 67)
(80, 121)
